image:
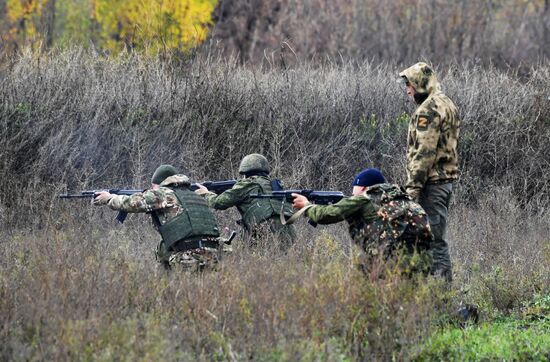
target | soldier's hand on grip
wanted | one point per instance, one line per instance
(299, 201)
(101, 198)
(201, 190)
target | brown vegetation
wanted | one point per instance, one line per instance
(507, 32)
(74, 285)
(503, 33)
(75, 120)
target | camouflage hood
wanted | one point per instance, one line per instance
(422, 78)
(176, 180)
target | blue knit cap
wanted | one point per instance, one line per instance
(369, 177)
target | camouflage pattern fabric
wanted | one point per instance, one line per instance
(383, 220)
(197, 259)
(167, 206)
(239, 196)
(433, 133)
(432, 158)
(162, 199)
(435, 199)
(194, 260)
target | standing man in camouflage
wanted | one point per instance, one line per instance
(190, 236)
(432, 159)
(383, 220)
(256, 214)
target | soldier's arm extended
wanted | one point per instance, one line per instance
(423, 151)
(330, 214)
(231, 197)
(146, 201)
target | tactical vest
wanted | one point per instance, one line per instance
(195, 222)
(263, 209)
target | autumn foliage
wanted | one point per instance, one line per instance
(111, 25)
(285, 32)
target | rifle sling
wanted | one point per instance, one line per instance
(294, 216)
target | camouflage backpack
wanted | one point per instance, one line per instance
(399, 222)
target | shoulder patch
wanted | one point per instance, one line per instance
(423, 121)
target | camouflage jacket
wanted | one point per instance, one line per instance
(163, 200)
(384, 217)
(252, 210)
(433, 133)
(178, 224)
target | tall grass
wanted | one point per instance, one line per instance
(88, 289)
(77, 120)
(504, 33)
(74, 285)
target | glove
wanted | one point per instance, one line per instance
(102, 198)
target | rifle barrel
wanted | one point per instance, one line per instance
(91, 193)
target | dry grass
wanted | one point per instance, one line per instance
(73, 285)
(76, 120)
(89, 289)
(281, 32)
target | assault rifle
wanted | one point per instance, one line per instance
(317, 197)
(215, 186)
(91, 193)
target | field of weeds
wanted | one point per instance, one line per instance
(75, 285)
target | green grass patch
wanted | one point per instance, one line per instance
(506, 340)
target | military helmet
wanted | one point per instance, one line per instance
(254, 163)
(162, 173)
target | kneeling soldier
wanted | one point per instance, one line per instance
(189, 231)
(382, 218)
(255, 213)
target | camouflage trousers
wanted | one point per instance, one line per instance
(435, 199)
(195, 260)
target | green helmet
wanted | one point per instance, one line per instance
(254, 163)
(162, 173)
